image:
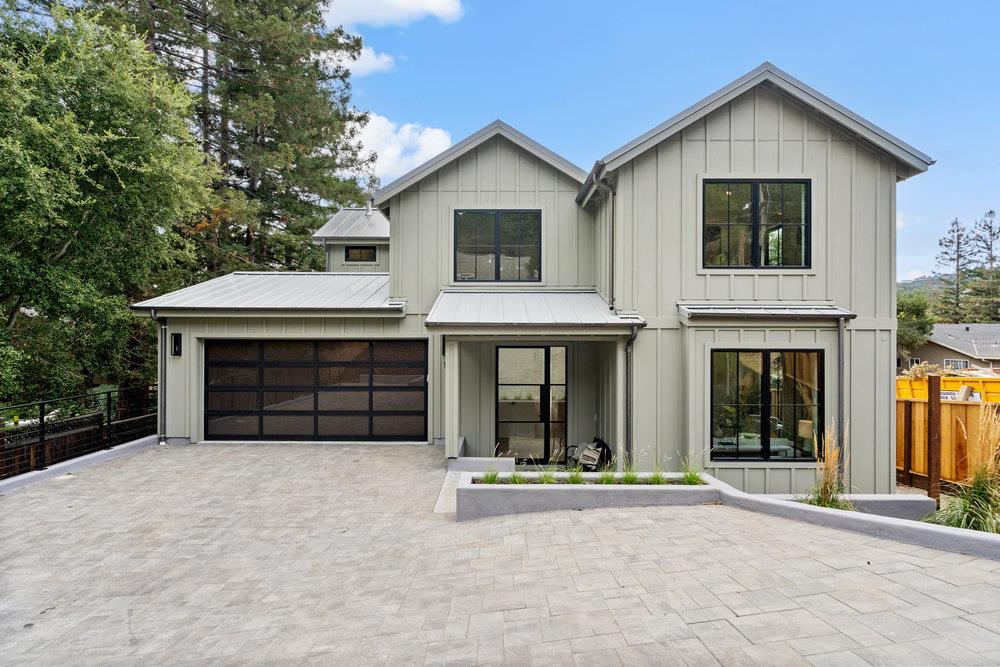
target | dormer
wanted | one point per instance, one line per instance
(355, 239)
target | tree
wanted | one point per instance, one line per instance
(97, 164)
(958, 256)
(273, 112)
(983, 303)
(914, 323)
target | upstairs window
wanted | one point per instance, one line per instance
(756, 224)
(359, 253)
(498, 245)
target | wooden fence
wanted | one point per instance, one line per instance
(934, 439)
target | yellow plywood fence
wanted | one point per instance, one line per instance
(936, 439)
(988, 388)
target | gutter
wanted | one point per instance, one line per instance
(161, 399)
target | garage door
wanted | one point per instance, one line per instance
(316, 390)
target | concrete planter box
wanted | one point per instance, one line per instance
(475, 501)
(896, 505)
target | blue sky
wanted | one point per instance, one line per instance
(585, 77)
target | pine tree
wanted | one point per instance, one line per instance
(983, 303)
(273, 110)
(958, 257)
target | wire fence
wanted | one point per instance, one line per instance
(36, 435)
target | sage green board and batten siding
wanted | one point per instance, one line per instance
(497, 173)
(185, 374)
(335, 258)
(760, 134)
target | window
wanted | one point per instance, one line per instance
(756, 224)
(914, 361)
(766, 404)
(498, 246)
(957, 364)
(359, 253)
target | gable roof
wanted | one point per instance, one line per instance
(353, 223)
(497, 127)
(979, 341)
(915, 160)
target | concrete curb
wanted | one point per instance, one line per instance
(929, 535)
(480, 464)
(897, 505)
(477, 501)
(73, 465)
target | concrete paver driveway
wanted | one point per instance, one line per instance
(331, 554)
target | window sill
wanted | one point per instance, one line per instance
(756, 272)
(758, 463)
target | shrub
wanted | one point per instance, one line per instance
(828, 489)
(490, 476)
(977, 504)
(575, 476)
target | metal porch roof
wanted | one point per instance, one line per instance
(354, 223)
(765, 311)
(253, 290)
(537, 308)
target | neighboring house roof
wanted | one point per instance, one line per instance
(750, 310)
(265, 291)
(542, 308)
(496, 128)
(979, 341)
(917, 161)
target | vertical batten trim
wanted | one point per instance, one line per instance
(829, 240)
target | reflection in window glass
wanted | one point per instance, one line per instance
(498, 245)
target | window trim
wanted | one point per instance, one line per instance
(355, 246)
(811, 251)
(453, 278)
(765, 457)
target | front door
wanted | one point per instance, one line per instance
(531, 404)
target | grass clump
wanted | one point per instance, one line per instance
(689, 474)
(490, 476)
(516, 478)
(546, 477)
(977, 504)
(629, 476)
(575, 476)
(657, 478)
(607, 476)
(829, 487)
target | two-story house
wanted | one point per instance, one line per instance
(720, 289)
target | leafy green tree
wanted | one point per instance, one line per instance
(983, 303)
(957, 256)
(97, 165)
(272, 111)
(914, 323)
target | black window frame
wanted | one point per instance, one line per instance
(372, 248)
(315, 364)
(496, 244)
(545, 402)
(765, 403)
(755, 225)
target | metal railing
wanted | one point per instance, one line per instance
(33, 436)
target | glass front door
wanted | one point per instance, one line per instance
(531, 404)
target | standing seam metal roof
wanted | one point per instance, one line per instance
(354, 223)
(253, 290)
(527, 308)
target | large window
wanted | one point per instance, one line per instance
(756, 224)
(498, 246)
(766, 404)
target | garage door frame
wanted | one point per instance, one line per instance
(266, 416)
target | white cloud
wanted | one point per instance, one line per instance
(400, 148)
(370, 62)
(912, 275)
(381, 13)
(900, 222)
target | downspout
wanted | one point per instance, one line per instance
(841, 371)
(161, 399)
(605, 186)
(628, 394)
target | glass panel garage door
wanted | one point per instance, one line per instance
(316, 390)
